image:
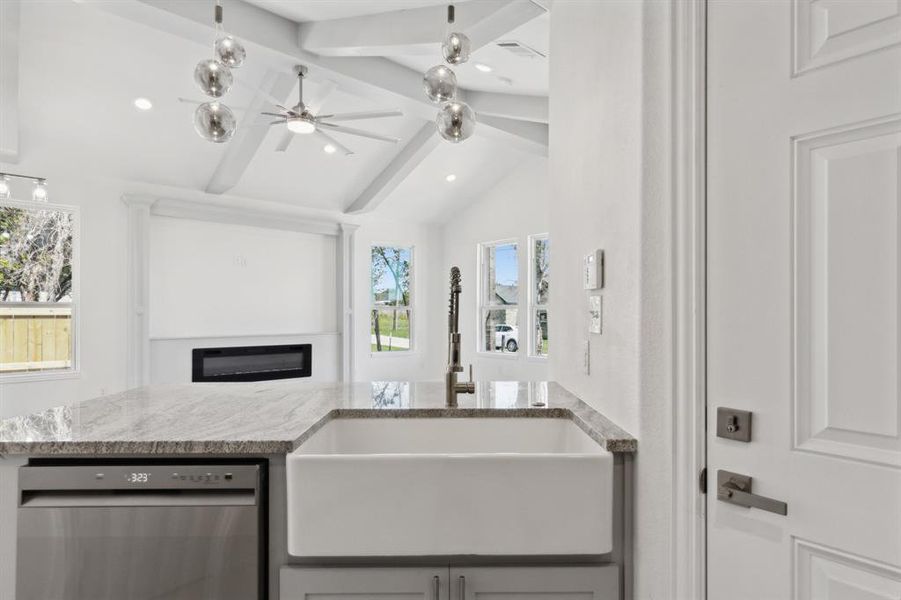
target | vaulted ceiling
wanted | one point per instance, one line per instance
(83, 62)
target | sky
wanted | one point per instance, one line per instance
(506, 267)
(386, 281)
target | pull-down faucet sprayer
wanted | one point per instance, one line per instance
(452, 387)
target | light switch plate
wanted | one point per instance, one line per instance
(733, 424)
(593, 270)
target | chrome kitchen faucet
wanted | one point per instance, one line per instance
(452, 387)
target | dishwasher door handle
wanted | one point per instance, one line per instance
(70, 499)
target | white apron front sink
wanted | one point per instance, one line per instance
(449, 486)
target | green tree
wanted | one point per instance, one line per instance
(35, 254)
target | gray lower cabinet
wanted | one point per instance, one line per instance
(457, 583)
(357, 583)
(535, 583)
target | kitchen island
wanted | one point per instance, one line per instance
(266, 422)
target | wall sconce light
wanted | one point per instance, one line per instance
(39, 193)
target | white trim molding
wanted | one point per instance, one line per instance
(345, 278)
(138, 294)
(250, 217)
(142, 207)
(689, 290)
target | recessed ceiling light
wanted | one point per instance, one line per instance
(329, 149)
(483, 68)
(450, 178)
(143, 104)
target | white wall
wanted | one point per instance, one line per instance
(425, 362)
(513, 209)
(101, 311)
(609, 171)
(215, 279)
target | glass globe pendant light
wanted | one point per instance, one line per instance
(215, 122)
(230, 52)
(456, 122)
(213, 77)
(440, 84)
(456, 47)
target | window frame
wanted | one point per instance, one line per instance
(533, 305)
(409, 307)
(73, 371)
(483, 306)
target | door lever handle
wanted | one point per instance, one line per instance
(735, 488)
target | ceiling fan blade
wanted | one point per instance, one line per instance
(372, 114)
(359, 132)
(315, 101)
(284, 142)
(330, 140)
(272, 114)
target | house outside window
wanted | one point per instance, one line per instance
(499, 298)
(38, 290)
(539, 294)
(391, 314)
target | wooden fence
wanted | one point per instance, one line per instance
(35, 337)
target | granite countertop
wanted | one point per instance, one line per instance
(273, 417)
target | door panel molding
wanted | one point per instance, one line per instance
(689, 289)
(823, 572)
(825, 33)
(846, 291)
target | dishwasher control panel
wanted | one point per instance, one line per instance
(124, 477)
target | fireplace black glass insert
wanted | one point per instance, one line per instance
(252, 363)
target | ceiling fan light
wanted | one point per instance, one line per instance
(300, 125)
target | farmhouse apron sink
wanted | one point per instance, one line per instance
(363, 487)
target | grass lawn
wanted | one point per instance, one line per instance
(387, 330)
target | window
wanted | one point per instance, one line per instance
(499, 298)
(38, 247)
(539, 262)
(391, 322)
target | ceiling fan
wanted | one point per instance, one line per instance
(307, 119)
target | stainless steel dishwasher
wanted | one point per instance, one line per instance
(156, 531)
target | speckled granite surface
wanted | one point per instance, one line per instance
(273, 417)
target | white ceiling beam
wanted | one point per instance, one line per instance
(378, 79)
(9, 81)
(250, 134)
(531, 137)
(415, 31)
(419, 146)
(511, 106)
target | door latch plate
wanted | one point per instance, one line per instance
(733, 424)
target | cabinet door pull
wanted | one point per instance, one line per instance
(462, 587)
(436, 588)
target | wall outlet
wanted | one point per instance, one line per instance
(595, 315)
(586, 357)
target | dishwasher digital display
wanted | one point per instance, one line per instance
(137, 477)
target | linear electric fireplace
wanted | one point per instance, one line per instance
(252, 363)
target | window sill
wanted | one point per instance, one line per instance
(501, 355)
(396, 354)
(37, 376)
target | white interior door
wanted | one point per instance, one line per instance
(804, 187)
